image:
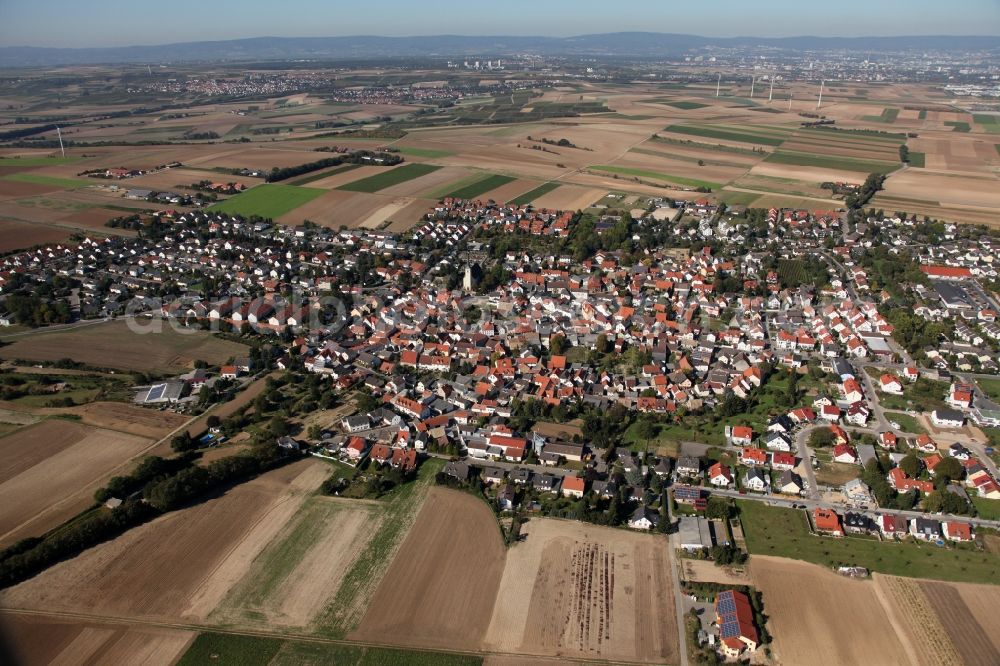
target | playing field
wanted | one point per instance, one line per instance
(268, 200)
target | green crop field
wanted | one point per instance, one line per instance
(887, 116)
(873, 135)
(784, 533)
(958, 125)
(922, 115)
(643, 173)
(39, 179)
(320, 175)
(830, 162)
(480, 186)
(424, 152)
(389, 177)
(917, 159)
(37, 161)
(531, 195)
(268, 200)
(989, 123)
(726, 135)
(242, 650)
(686, 106)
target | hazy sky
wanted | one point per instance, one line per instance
(119, 23)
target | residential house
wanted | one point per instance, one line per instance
(720, 475)
(827, 521)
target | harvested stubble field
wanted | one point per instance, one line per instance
(969, 616)
(440, 588)
(570, 197)
(181, 565)
(578, 590)
(32, 639)
(49, 472)
(114, 345)
(300, 570)
(914, 621)
(811, 610)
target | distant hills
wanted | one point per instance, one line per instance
(622, 44)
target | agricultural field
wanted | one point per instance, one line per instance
(294, 577)
(181, 565)
(578, 590)
(245, 650)
(784, 532)
(33, 639)
(531, 195)
(114, 345)
(389, 177)
(480, 185)
(50, 471)
(810, 609)
(951, 623)
(268, 200)
(655, 175)
(440, 589)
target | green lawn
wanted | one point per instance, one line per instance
(531, 195)
(958, 125)
(40, 179)
(480, 186)
(784, 533)
(906, 422)
(990, 387)
(320, 175)
(235, 650)
(829, 162)
(986, 508)
(389, 177)
(423, 152)
(726, 135)
(917, 159)
(643, 173)
(37, 161)
(268, 200)
(686, 106)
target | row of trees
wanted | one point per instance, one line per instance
(156, 486)
(357, 157)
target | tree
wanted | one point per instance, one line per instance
(718, 508)
(557, 345)
(910, 465)
(601, 345)
(645, 429)
(821, 438)
(183, 442)
(947, 470)
(279, 426)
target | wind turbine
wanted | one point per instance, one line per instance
(61, 148)
(770, 93)
(149, 70)
(820, 100)
(789, 100)
(752, 84)
(717, 84)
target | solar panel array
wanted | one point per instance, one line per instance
(156, 392)
(730, 630)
